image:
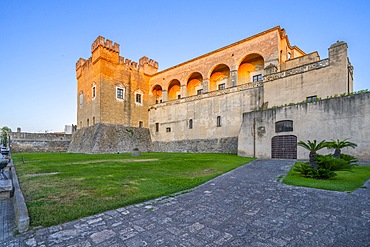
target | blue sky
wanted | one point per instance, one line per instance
(42, 40)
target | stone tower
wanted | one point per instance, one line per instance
(112, 89)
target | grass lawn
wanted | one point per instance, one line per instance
(60, 187)
(346, 181)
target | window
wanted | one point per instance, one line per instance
(284, 126)
(93, 92)
(257, 78)
(138, 98)
(93, 120)
(199, 91)
(168, 129)
(289, 56)
(120, 93)
(156, 127)
(140, 124)
(179, 96)
(190, 123)
(218, 121)
(221, 86)
(88, 123)
(311, 98)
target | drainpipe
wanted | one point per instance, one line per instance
(254, 137)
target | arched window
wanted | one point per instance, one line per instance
(218, 121)
(190, 123)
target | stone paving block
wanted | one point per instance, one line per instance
(247, 207)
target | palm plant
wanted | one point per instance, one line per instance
(313, 147)
(338, 145)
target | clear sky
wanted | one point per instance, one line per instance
(41, 42)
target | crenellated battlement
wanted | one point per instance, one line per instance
(80, 63)
(145, 60)
(108, 44)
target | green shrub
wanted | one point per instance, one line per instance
(321, 173)
(333, 164)
(349, 158)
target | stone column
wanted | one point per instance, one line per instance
(183, 91)
(233, 78)
(205, 84)
(164, 95)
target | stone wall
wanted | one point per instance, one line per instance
(109, 138)
(39, 142)
(221, 145)
(335, 118)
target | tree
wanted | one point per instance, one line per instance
(313, 148)
(4, 135)
(338, 145)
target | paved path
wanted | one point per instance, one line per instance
(7, 223)
(245, 207)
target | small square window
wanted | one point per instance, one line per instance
(168, 129)
(221, 86)
(179, 96)
(199, 91)
(257, 78)
(120, 93)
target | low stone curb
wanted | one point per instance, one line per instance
(22, 218)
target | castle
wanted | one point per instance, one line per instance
(200, 105)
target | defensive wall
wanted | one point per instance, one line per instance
(39, 142)
(110, 138)
(329, 119)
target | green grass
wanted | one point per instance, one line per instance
(346, 181)
(60, 187)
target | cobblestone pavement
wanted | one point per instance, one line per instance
(245, 207)
(7, 223)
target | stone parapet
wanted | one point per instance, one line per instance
(301, 69)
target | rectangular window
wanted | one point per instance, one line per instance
(179, 96)
(168, 129)
(218, 121)
(199, 91)
(311, 98)
(93, 120)
(257, 78)
(140, 124)
(190, 123)
(156, 127)
(138, 98)
(284, 126)
(120, 93)
(221, 86)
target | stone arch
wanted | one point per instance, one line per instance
(251, 66)
(157, 93)
(174, 89)
(194, 84)
(219, 77)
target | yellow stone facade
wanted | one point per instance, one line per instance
(205, 97)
